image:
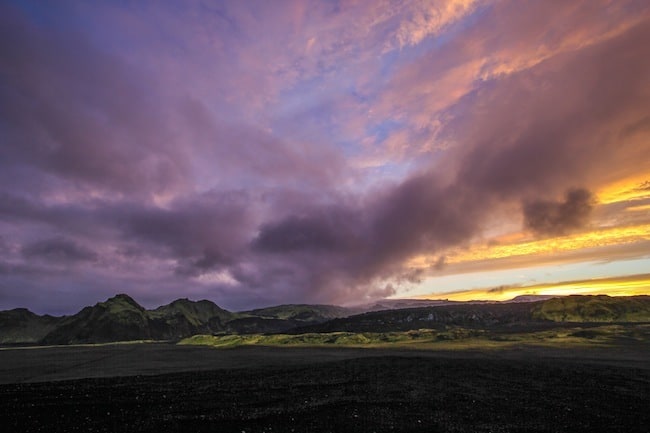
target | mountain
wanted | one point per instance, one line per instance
(119, 318)
(301, 312)
(281, 318)
(21, 326)
(599, 308)
(184, 317)
(470, 315)
(517, 314)
(399, 304)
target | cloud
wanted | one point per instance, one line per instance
(219, 149)
(81, 114)
(329, 230)
(549, 218)
(59, 250)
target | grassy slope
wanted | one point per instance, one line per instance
(594, 309)
(452, 338)
(20, 326)
(196, 313)
(118, 316)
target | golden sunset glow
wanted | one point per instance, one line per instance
(640, 208)
(634, 188)
(617, 286)
(600, 238)
(595, 239)
(490, 251)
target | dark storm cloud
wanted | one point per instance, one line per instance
(422, 215)
(80, 113)
(332, 229)
(551, 218)
(207, 229)
(58, 250)
(336, 252)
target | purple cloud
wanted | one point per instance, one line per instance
(300, 153)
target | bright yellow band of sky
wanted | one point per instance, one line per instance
(593, 239)
(615, 286)
(629, 189)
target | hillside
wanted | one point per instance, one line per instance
(122, 319)
(282, 318)
(301, 312)
(184, 317)
(119, 318)
(21, 326)
(468, 315)
(594, 309)
(505, 315)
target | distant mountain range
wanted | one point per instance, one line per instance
(121, 318)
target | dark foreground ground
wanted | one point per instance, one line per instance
(324, 390)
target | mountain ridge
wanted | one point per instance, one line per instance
(121, 318)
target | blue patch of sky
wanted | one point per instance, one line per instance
(384, 129)
(309, 110)
(48, 14)
(431, 44)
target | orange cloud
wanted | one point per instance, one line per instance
(524, 247)
(628, 189)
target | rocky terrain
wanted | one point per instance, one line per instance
(370, 394)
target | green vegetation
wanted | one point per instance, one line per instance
(594, 309)
(20, 326)
(121, 319)
(352, 339)
(449, 339)
(196, 313)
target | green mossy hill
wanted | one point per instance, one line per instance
(451, 338)
(600, 308)
(184, 317)
(118, 319)
(196, 313)
(366, 339)
(21, 326)
(122, 319)
(301, 312)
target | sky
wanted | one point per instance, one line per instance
(265, 152)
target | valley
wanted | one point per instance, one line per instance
(578, 364)
(152, 387)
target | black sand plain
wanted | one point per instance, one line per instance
(167, 388)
